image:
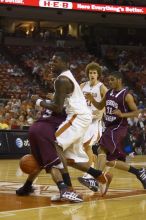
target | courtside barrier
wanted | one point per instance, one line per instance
(14, 143)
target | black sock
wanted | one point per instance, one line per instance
(61, 185)
(66, 179)
(133, 170)
(94, 173)
(28, 184)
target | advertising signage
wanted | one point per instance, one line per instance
(91, 7)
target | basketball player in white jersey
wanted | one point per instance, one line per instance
(70, 134)
(98, 90)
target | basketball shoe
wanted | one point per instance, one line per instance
(24, 191)
(103, 180)
(58, 197)
(91, 183)
(142, 177)
(66, 195)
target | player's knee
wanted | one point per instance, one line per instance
(111, 163)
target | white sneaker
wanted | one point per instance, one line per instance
(142, 177)
(71, 196)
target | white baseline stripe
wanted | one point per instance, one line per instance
(54, 206)
(4, 215)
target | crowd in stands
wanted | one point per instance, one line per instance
(32, 75)
(18, 114)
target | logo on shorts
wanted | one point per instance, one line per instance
(19, 143)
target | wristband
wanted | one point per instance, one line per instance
(38, 102)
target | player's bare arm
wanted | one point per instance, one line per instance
(132, 106)
(63, 86)
(99, 105)
(103, 90)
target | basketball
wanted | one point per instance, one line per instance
(28, 164)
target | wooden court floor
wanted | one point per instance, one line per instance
(126, 199)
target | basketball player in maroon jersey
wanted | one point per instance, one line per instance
(119, 105)
(41, 138)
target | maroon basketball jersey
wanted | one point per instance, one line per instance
(115, 100)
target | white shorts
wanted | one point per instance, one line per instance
(70, 136)
(93, 132)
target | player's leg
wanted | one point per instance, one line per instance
(80, 159)
(98, 176)
(91, 136)
(64, 171)
(101, 159)
(139, 173)
(68, 133)
(43, 150)
(73, 156)
(65, 192)
(27, 188)
(88, 151)
(69, 137)
(51, 162)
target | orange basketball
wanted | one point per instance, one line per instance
(28, 164)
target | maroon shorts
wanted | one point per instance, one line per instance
(42, 137)
(112, 141)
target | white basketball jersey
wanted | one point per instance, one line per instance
(75, 103)
(95, 91)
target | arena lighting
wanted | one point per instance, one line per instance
(78, 6)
